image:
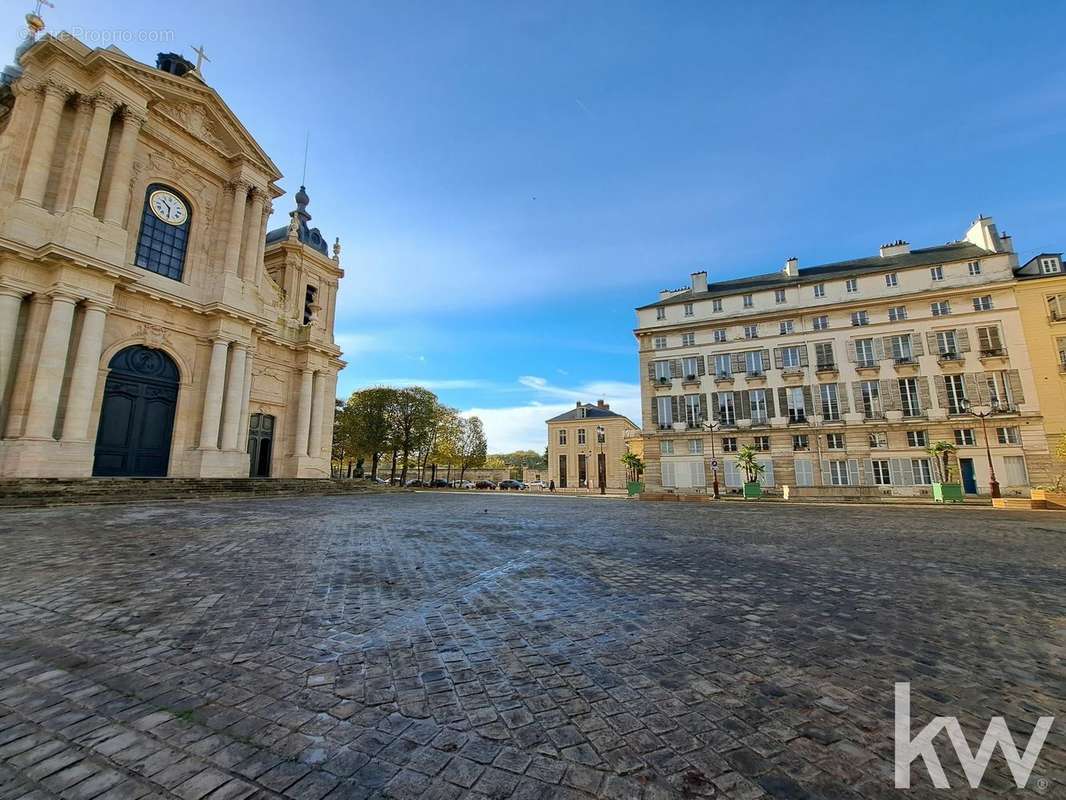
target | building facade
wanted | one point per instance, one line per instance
(585, 449)
(843, 374)
(149, 324)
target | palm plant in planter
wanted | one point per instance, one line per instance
(747, 463)
(945, 489)
(634, 469)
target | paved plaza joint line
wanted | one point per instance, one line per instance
(445, 646)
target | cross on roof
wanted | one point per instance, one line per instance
(201, 56)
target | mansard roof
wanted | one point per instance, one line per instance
(591, 411)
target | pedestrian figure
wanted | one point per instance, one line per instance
(551, 486)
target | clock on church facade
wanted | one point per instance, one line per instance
(150, 323)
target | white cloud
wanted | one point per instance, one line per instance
(433, 384)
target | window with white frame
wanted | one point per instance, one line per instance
(800, 442)
(562, 436)
(838, 473)
(662, 370)
(688, 340)
(689, 310)
(910, 401)
(1049, 266)
(891, 280)
(797, 404)
(753, 362)
(964, 437)
(761, 443)
(693, 409)
(665, 407)
(922, 470)
(936, 273)
(1010, 435)
(1014, 471)
(982, 303)
(790, 357)
(941, 308)
(749, 301)
(998, 388)
(823, 355)
(695, 447)
(947, 344)
(804, 472)
(716, 304)
(757, 399)
(878, 440)
(659, 342)
(988, 340)
(581, 436)
(917, 439)
(956, 390)
(864, 353)
(720, 335)
(729, 444)
(727, 410)
(834, 441)
(897, 313)
(851, 285)
(974, 268)
(819, 290)
(882, 475)
(666, 447)
(820, 323)
(690, 366)
(860, 318)
(830, 401)
(900, 346)
(779, 295)
(751, 331)
(660, 313)
(871, 399)
(601, 435)
(723, 365)
(787, 326)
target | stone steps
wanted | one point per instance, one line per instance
(35, 492)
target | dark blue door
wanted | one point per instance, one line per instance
(137, 414)
(969, 479)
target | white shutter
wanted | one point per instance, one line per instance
(855, 476)
(767, 476)
(1014, 467)
(827, 477)
(899, 472)
(668, 474)
(868, 470)
(732, 475)
(699, 474)
(804, 472)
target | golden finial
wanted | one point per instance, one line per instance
(33, 20)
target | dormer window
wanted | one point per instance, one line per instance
(779, 295)
(1049, 266)
(660, 313)
(851, 285)
(749, 301)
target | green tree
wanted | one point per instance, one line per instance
(747, 462)
(413, 419)
(634, 465)
(473, 447)
(369, 423)
(445, 449)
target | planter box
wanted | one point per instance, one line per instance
(1044, 498)
(634, 487)
(752, 491)
(947, 492)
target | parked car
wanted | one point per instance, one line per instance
(463, 484)
(484, 485)
(416, 482)
(516, 485)
(537, 485)
(439, 483)
(380, 481)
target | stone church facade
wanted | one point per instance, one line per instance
(149, 323)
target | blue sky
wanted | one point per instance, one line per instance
(509, 180)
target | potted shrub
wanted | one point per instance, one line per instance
(752, 469)
(945, 489)
(634, 469)
(664, 381)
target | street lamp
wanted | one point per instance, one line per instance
(993, 408)
(601, 466)
(711, 427)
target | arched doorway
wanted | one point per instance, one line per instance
(137, 414)
(260, 444)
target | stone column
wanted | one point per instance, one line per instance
(236, 226)
(231, 424)
(10, 305)
(92, 162)
(254, 233)
(83, 379)
(314, 441)
(83, 105)
(242, 431)
(303, 413)
(216, 378)
(257, 278)
(42, 151)
(118, 190)
(41, 419)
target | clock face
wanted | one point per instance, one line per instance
(168, 207)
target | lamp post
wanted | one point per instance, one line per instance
(711, 427)
(601, 465)
(992, 409)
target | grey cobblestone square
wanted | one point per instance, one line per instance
(450, 646)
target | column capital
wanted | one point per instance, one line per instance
(268, 209)
(85, 102)
(239, 345)
(106, 100)
(97, 305)
(11, 291)
(54, 87)
(64, 296)
(239, 186)
(134, 116)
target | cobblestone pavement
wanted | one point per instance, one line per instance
(444, 646)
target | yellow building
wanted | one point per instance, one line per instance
(149, 323)
(585, 448)
(1041, 294)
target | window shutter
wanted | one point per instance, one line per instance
(668, 474)
(767, 478)
(923, 394)
(895, 468)
(699, 473)
(890, 396)
(885, 343)
(868, 465)
(675, 408)
(770, 403)
(803, 355)
(655, 411)
(651, 370)
(916, 345)
(970, 382)
(855, 475)
(982, 398)
(1014, 380)
(827, 477)
(765, 360)
(675, 368)
(941, 391)
(732, 474)
(714, 406)
(701, 366)
(879, 349)
(962, 337)
(851, 351)
(856, 391)
(808, 400)
(778, 361)
(842, 394)
(703, 407)
(930, 337)
(738, 362)
(744, 403)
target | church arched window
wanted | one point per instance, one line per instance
(164, 236)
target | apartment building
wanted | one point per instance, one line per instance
(842, 374)
(585, 448)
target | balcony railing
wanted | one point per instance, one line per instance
(949, 356)
(825, 366)
(866, 364)
(901, 361)
(993, 352)
(797, 417)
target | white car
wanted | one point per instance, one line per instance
(537, 485)
(463, 484)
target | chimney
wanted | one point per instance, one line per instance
(792, 267)
(983, 234)
(1006, 242)
(601, 404)
(896, 248)
(579, 404)
(699, 282)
